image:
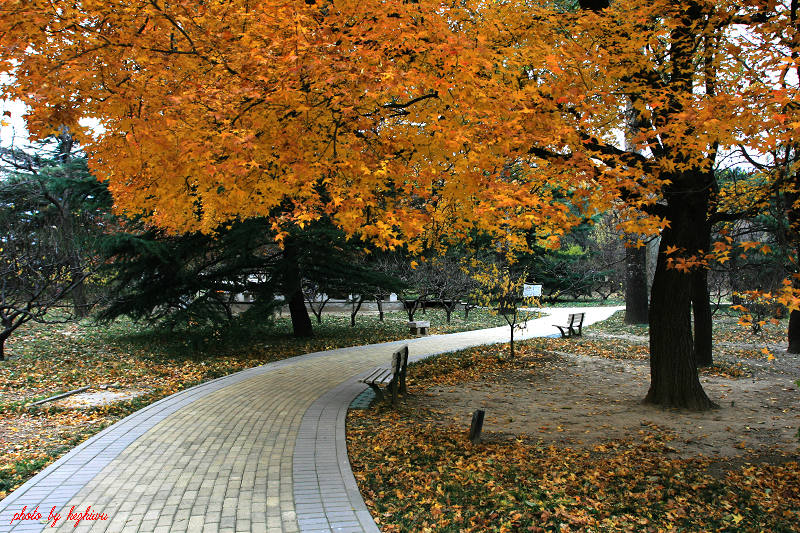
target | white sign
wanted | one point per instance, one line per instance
(531, 291)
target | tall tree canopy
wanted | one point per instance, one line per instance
(399, 120)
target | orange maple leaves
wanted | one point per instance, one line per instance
(379, 115)
(398, 120)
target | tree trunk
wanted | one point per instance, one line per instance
(80, 303)
(448, 308)
(293, 290)
(317, 311)
(793, 217)
(636, 285)
(701, 304)
(301, 322)
(8, 328)
(794, 332)
(69, 238)
(511, 344)
(701, 308)
(355, 306)
(410, 308)
(674, 381)
(379, 302)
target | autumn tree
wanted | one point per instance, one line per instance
(693, 74)
(500, 290)
(218, 111)
(775, 157)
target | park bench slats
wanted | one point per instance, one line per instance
(375, 374)
(391, 378)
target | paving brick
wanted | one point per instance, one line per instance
(260, 450)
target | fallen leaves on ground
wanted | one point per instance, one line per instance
(417, 474)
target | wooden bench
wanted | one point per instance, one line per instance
(393, 377)
(575, 326)
(419, 327)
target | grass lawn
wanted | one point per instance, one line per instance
(44, 360)
(418, 472)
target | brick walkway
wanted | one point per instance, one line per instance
(260, 450)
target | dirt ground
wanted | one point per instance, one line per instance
(582, 401)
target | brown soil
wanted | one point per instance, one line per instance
(583, 401)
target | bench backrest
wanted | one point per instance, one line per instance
(400, 361)
(400, 367)
(573, 317)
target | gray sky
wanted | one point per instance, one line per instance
(13, 128)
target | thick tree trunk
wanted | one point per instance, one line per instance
(636, 285)
(77, 267)
(293, 291)
(8, 327)
(674, 381)
(701, 308)
(793, 216)
(794, 332)
(301, 322)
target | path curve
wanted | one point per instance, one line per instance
(262, 450)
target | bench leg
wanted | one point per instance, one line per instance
(393, 385)
(378, 391)
(564, 333)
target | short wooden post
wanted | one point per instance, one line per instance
(477, 426)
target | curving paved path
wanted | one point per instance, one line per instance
(260, 450)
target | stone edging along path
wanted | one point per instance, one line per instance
(260, 450)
